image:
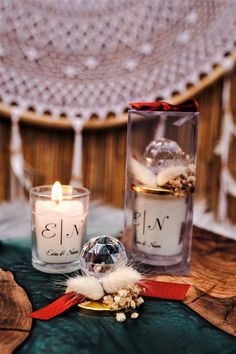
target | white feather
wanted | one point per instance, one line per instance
(170, 173)
(90, 287)
(120, 279)
(142, 173)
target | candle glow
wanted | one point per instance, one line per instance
(56, 191)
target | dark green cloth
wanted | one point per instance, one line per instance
(163, 326)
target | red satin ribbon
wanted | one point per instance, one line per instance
(58, 306)
(151, 288)
(164, 290)
(187, 106)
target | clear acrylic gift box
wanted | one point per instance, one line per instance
(160, 184)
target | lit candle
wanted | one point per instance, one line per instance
(59, 224)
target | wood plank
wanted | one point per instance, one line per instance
(221, 312)
(15, 326)
(213, 273)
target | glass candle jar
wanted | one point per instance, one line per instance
(160, 182)
(159, 241)
(59, 215)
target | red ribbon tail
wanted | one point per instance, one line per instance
(164, 290)
(58, 306)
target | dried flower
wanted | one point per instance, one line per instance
(140, 301)
(117, 299)
(191, 179)
(185, 181)
(120, 317)
(133, 304)
(134, 315)
(124, 298)
(123, 292)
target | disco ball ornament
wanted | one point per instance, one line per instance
(102, 255)
(163, 153)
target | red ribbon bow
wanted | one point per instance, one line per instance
(187, 106)
(151, 288)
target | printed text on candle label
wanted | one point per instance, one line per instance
(58, 237)
(53, 230)
(158, 224)
(52, 252)
(49, 231)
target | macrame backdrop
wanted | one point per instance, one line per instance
(78, 58)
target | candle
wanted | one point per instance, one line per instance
(158, 221)
(160, 185)
(58, 225)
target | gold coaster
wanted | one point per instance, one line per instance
(97, 308)
(94, 306)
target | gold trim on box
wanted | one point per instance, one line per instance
(159, 191)
(140, 188)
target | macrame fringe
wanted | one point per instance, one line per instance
(19, 180)
(76, 173)
(227, 181)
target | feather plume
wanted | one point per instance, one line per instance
(88, 286)
(141, 172)
(145, 176)
(170, 173)
(120, 279)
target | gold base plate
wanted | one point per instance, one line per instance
(98, 308)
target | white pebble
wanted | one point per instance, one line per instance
(134, 315)
(120, 317)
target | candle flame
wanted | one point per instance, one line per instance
(57, 191)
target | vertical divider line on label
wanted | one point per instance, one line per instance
(144, 221)
(61, 232)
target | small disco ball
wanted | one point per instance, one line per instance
(102, 255)
(163, 153)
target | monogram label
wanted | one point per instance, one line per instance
(157, 224)
(49, 231)
(59, 240)
(140, 218)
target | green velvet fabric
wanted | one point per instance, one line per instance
(163, 326)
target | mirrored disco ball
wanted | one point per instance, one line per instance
(163, 153)
(102, 255)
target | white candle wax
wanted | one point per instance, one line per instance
(59, 229)
(158, 222)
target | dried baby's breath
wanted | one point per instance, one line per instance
(125, 298)
(184, 182)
